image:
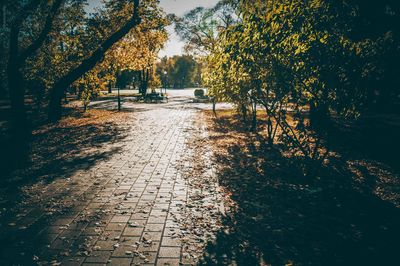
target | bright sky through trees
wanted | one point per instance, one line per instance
(179, 7)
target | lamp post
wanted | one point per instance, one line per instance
(119, 94)
(119, 100)
(165, 81)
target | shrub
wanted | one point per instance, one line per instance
(199, 93)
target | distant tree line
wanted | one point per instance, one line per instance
(179, 71)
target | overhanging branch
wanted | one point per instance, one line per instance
(36, 44)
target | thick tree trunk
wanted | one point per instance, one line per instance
(144, 81)
(20, 130)
(55, 107)
(18, 121)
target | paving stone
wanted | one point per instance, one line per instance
(78, 225)
(120, 262)
(73, 261)
(115, 226)
(159, 213)
(154, 236)
(106, 244)
(98, 257)
(167, 262)
(61, 243)
(169, 252)
(92, 231)
(153, 246)
(139, 223)
(150, 258)
(63, 221)
(154, 227)
(133, 231)
(120, 219)
(70, 233)
(170, 242)
(110, 235)
(129, 241)
(157, 220)
(46, 239)
(140, 216)
(148, 198)
(124, 251)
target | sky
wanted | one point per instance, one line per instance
(179, 7)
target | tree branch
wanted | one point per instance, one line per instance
(97, 55)
(16, 28)
(26, 10)
(36, 44)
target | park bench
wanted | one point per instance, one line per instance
(155, 97)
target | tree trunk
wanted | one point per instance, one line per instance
(18, 121)
(243, 113)
(254, 115)
(270, 138)
(119, 99)
(214, 102)
(141, 83)
(20, 130)
(55, 107)
(144, 81)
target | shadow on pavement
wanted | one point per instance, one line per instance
(58, 152)
(280, 219)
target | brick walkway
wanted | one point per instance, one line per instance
(128, 209)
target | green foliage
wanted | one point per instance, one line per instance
(125, 78)
(180, 71)
(89, 87)
(199, 93)
(298, 56)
